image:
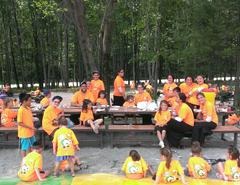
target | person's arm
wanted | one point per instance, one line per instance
(54, 148)
(26, 126)
(38, 175)
(157, 181)
(182, 177)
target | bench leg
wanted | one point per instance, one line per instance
(101, 140)
(111, 139)
(235, 139)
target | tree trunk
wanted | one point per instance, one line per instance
(65, 55)
(105, 40)
(76, 8)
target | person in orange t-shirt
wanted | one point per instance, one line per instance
(26, 127)
(96, 85)
(143, 96)
(197, 166)
(87, 118)
(180, 124)
(31, 166)
(162, 117)
(207, 119)
(193, 93)
(102, 98)
(51, 116)
(8, 115)
(1, 105)
(119, 89)
(129, 102)
(45, 102)
(82, 94)
(168, 87)
(187, 86)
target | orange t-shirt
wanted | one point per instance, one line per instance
(186, 89)
(186, 114)
(162, 117)
(118, 82)
(7, 118)
(49, 115)
(45, 102)
(102, 101)
(129, 104)
(79, 96)
(168, 89)
(208, 109)
(95, 87)
(86, 115)
(175, 107)
(25, 117)
(1, 105)
(145, 96)
(193, 97)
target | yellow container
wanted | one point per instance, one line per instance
(210, 96)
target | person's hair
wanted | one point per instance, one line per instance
(86, 102)
(6, 84)
(171, 76)
(36, 145)
(102, 92)
(196, 148)
(177, 89)
(24, 97)
(234, 153)
(162, 102)
(200, 94)
(46, 92)
(129, 97)
(120, 69)
(168, 154)
(95, 72)
(6, 101)
(189, 77)
(62, 121)
(182, 97)
(83, 82)
(141, 84)
(57, 98)
(135, 155)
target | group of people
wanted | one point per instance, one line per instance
(170, 170)
(183, 110)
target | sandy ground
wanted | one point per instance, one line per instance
(110, 160)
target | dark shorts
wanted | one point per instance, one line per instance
(160, 129)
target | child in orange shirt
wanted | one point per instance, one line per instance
(161, 118)
(31, 166)
(168, 170)
(87, 118)
(64, 165)
(101, 98)
(135, 167)
(129, 102)
(26, 127)
(45, 102)
(8, 115)
(230, 171)
(64, 145)
(197, 167)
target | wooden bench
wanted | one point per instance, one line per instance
(5, 132)
(131, 134)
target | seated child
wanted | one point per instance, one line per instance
(230, 171)
(197, 167)
(168, 170)
(129, 102)
(65, 144)
(8, 115)
(161, 118)
(87, 118)
(135, 167)
(31, 166)
(101, 98)
(45, 102)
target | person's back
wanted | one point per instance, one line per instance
(135, 167)
(7, 118)
(30, 162)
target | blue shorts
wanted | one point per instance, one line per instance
(63, 158)
(26, 143)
